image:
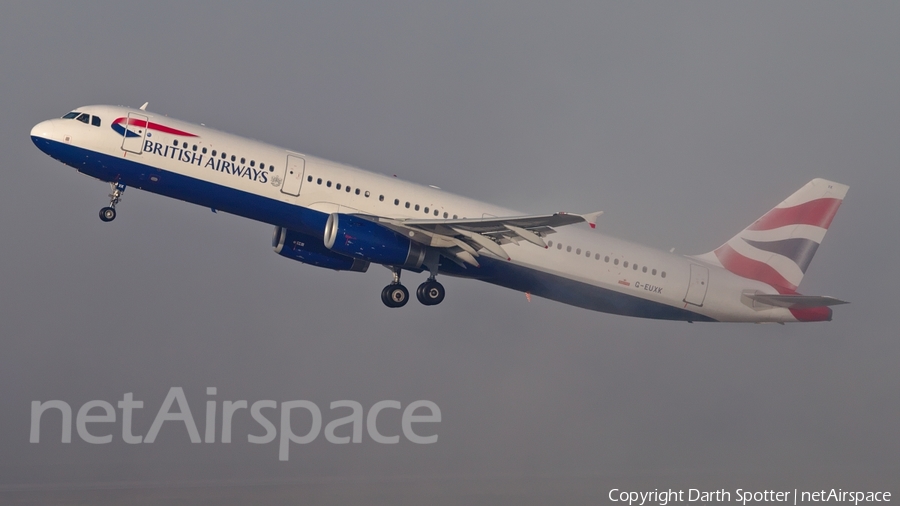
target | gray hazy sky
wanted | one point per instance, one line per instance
(682, 121)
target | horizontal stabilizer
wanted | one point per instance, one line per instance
(795, 301)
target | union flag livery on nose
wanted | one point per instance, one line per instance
(120, 125)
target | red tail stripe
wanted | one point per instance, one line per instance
(749, 268)
(817, 212)
(812, 314)
(753, 269)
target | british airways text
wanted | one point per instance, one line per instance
(194, 158)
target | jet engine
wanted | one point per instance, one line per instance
(310, 250)
(366, 240)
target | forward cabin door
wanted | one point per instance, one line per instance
(696, 292)
(135, 131)
(293, 175)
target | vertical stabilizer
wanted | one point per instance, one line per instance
(777, 248)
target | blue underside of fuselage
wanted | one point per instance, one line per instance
(507, 274)
(568, 291)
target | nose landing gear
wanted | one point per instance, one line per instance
(108, 213)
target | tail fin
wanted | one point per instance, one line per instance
(777, 248)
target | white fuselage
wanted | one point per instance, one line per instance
(250, 180)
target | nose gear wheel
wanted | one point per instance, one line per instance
(108, 213)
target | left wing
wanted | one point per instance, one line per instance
(463, 239)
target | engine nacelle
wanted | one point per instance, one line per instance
(367, 240)
(310, 250)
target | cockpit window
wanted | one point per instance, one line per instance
(86, 118)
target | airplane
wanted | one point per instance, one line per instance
(344, 218)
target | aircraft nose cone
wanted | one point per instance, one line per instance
(42, 135)
(41, 130)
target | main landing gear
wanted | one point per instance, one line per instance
(395, 294)
(429, 293)
(109, 213)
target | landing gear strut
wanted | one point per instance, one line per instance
(395, 294)
(109, 213)
(431, 293)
